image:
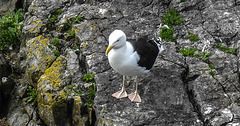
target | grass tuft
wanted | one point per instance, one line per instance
(32, 94)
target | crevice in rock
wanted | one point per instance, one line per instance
(181, 65)
(19, 4)
(92, 118)
(82, 63)
(190, 94)
(226, 123)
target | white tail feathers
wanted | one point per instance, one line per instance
(159, 43)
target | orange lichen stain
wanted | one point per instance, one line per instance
(51, 78)
(85, 45)
(93, 53)
(38, 26)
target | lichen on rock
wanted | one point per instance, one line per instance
(52, 98)
(38, 58)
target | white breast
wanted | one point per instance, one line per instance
(124, 61)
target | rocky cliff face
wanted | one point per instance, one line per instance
(194, 82)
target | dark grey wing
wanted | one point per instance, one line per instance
(147, 51)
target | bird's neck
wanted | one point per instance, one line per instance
(118, 54)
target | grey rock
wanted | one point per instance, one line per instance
(179, 90)
(38, 58)
(6, 5)
(15, 115)
(6, 85)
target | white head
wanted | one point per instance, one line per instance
(117, 39)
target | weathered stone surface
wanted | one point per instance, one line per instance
(6, 85)
(38, 58)
(6, 5)
(52, 98)
(16, 116)
(179, 90)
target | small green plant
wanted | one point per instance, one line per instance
(211, 66)
(205, 56)
(71, 32)
(192, 37)
(10, 29)
(192, 52)
(77, 19)
(79, 93)
(56, 53)
(172, 18)
(167, 34)
(56, 42)
(32, 94)
(88, 77)
(24, 111)
(71, 86)
(54, 17)
(227, 50)
(211, 72)
(91, 95)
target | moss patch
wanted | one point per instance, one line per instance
(167, 34)
(227, 50)
(192, 37)
(172, 17)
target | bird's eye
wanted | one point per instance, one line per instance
(117, 40)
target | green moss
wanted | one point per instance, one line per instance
(79, 93)
(53, 18)
(10, 29)
(212, 73)
(167, 34)
(71, 32)
(88, 77)
(212, 69)
(205, 56)
(211, 66)
(56, 53)
(192, 52)
(56, 42)
(192, 37)
(227, 50)
(91, 94)
(24, 111)
(71, 86)
(172, 18)
(77, 19)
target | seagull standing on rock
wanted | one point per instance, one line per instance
(131, 58)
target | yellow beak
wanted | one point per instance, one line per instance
(108, 49)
